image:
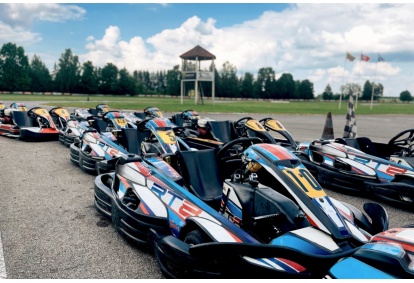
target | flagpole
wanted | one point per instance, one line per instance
(375, 77)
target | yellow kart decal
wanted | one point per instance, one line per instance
(255, 126)
(23, 108)
(41, 112)
(121, 122)
(275, 125)
(1, 106)
(167, 136)
(305, 181)
(62, 112)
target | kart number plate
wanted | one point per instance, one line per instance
(305, 181)
(167, 137)
(120, 121)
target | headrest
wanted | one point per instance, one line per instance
(203, 122)
(9, 110)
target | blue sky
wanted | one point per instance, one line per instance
(307, 40)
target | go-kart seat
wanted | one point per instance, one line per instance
(100, 125)
(222, 130)
(178, 120)
(129, 142)
(21, 119)
(140, 115)
(201, 175)
(363, 144)
(368, 147)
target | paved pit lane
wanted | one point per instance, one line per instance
(50, 229)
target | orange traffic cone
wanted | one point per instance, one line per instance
(328, 132)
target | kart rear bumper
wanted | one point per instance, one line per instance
(38, 134)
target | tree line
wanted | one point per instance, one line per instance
(18, 73)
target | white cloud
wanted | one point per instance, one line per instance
(307, 40)
(24, 14)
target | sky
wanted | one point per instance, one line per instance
(307, 40)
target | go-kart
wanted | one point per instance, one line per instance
(271, 219)
(342, 167)
(187, 118)
(73, 130)
(84, 114)
(351, 164)
(36, 124)
(91, 151)
(60, 117)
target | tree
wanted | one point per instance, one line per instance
(229, 81)
(109, 79)
(263, 85)
(246, 85)
(306, 90)
(126, 84)
(405, 96)
(174, 81)
(14, 68)
(286, 86)
(40, 77)
(67, 72)
(367, 91)
(327, 94)
(89, 78)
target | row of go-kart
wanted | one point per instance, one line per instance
(238, 204)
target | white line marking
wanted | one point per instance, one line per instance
(3, 274)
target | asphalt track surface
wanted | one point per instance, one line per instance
(49, 228)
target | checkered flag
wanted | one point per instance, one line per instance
(350, 130)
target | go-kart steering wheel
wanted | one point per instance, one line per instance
(146, 112)
(31, 113)
(106, 119)
(182, 113)
(230, 149)
(239, 126)
(264, 120)
(398, 139)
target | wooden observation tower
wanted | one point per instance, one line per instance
(193, 72)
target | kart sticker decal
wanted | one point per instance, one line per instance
(62, 112)
(218, 232)
(167, 137)
(356, 232)
(181, 207)
(120, 122)
(255, 126)
(305, 181)
(152, 203)
(318, 237)
(275, 125)
(294, 265)
(277, 151)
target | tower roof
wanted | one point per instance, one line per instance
(198, 52)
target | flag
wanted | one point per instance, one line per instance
(364, 58)
(350, 57)
(350, 130)
(380, 59)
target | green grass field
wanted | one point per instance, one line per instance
(220, 106)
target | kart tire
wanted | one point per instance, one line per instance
(74, 154)
(196, 237)
(88, 164)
